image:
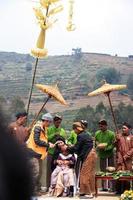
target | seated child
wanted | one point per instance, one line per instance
(62, 178)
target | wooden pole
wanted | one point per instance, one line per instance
(37, 115)
(32, 85)
(112, 111)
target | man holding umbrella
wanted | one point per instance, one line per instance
(38, 143)
(124, 155)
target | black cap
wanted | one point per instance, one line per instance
(21, 114)
(103, 122)
(84, 122)
(57, 117)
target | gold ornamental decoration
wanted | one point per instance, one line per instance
(44, 15)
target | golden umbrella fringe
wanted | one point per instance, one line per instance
(106, 89)
(52, 91)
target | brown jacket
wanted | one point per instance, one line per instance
(124, 153)
(19, 132)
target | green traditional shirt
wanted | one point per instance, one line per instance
(72, 138)
(52, 131)
(105, 137)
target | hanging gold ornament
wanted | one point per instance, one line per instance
(43, 15)
(70, 25)
(40, 51)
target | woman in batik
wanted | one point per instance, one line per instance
(87, 155)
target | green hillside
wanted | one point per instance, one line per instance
(76, 75)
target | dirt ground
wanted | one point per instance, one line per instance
(67, 198)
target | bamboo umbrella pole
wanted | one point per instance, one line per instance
(37, 115)
(112, 111)
(34, 74)
(32, 84)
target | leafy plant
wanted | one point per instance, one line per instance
(111, 75)
(127, 195)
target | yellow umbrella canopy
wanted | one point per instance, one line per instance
(106, 88)
(53, 91)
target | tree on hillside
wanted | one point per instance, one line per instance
(123, 113)
(130, 85)
(100, 108)
(2, 100)
(28, 66)
(17, 105)
(88, 114)
(111, 75)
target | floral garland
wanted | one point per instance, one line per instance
(127, 195)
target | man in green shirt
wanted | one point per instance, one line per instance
(104, 139)
(53, 132)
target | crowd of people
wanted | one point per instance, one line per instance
(71, 160)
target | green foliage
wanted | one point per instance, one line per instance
(28, 67)
(2, 100)
(123, 113)
(17, 105)
(130, 85)
(111, 75)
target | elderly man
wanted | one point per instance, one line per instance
(105, 145)
(18, 129)
(124, 154)
(38, 143)
(124, 144)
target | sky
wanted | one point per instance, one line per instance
(102, 26)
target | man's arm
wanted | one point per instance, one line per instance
(37, 132)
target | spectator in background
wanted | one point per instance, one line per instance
(18, 129)
(53, 132)
(15, 171)
(105, 139)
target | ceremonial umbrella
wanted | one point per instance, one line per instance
(52, 91)
(106, 88)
